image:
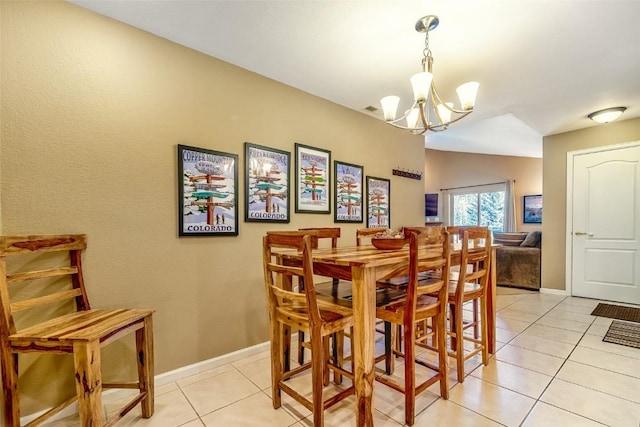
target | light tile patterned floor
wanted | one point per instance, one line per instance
(552, 368)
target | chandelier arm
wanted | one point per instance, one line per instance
(433, 128)
(415, 131)
(445, 125)
(424, 113)
(436, 95)
(437, 128)
(404, 116)
(427, 127)
(425, 124)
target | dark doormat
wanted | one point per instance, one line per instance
(631, 314)
(624, 334)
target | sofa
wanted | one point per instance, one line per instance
(518, 259)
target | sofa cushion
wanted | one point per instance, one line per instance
(509, 239)
(532, 240)
(518, 266)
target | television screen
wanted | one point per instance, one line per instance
(431, 204)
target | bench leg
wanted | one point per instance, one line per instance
(144, 347)
(88, 376)
(10, 388)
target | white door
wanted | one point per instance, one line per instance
(606, 225)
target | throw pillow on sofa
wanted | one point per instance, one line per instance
(509, 239)
(532, 240)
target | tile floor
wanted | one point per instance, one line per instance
(552, 368)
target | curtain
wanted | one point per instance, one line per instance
(510, 206)
(446, 208)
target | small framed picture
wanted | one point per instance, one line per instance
(266, 184)
(532, 209)
(312, 176)
(378, 202)
(348, 192)
(207, 192)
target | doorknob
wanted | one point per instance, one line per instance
(580, 233)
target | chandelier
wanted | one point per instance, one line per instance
(429, 112)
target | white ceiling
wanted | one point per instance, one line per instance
(542, 65)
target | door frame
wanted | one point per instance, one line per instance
(568, 280)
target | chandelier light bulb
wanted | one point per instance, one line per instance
(390, 107)
(467, 93)
(421, 83)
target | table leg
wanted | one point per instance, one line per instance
(364, 309)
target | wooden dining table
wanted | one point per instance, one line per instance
(363, 266)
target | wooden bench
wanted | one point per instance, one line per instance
(81, 331)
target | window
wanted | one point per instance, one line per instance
(480, 205)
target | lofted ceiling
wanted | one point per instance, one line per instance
(542, 65)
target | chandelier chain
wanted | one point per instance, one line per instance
(426, 53)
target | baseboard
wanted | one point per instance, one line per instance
(205, 365)
(166, 377)
(562, 292)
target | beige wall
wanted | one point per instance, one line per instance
(555, 149)
(92, 111)
(449, 169)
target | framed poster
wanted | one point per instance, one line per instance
(348, 191)
(207, 192)
(266, 184)
(532, 209)
(313, 176)
(378, 202)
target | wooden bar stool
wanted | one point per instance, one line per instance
(326, 288)
(80, 333)
(470, 286)
(425, 299)
(456, 234)
(303, 311)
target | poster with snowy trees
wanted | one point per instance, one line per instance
(207, 193)
(266, 184)
(313, 175)
(378, 200)
(348, 192)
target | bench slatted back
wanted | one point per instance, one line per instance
(14, 246)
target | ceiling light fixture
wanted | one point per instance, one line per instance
(429, 112)
(607, 115)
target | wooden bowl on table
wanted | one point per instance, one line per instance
(389, 243)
